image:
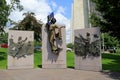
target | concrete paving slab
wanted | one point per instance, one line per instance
(54, 74)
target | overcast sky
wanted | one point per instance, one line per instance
(41, 8)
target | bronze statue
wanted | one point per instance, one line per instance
(53, 35)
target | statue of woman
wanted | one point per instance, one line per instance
(52, 35)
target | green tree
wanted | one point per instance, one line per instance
(4, 38)
(70, 45)
(110, 41)
(30, 23)
(106, 16)
(5, 10)
(4, 13)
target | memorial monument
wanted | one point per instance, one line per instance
(21, 49)
(80, 16)
(53, 44)
(88, 49)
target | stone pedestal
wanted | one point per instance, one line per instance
(49, 59)
(87, 49)
(21, 49)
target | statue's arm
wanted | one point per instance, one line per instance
(25, 39)
(59, 27)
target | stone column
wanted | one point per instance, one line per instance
(80, 16)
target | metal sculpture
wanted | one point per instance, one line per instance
(52, 34)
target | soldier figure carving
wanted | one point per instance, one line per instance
(52, 34)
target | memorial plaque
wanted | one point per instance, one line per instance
(88, 49)
(21, 49)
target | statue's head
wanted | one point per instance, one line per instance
(53, 21)
(20, 38)
(87, 34)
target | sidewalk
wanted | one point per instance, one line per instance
(55, 74)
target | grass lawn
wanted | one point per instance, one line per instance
(3, 58)
(38, 59)
(109, 61)
(70, 59)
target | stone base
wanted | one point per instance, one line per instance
(22, 63)
(58, 66)
(20, 67)
(92, 64)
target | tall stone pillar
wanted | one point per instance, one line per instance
(80, 16)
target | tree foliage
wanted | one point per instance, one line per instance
(30, 23)
(4, 38)
(107, 16)
(70, 45)
(4, 13)
(5, 10)
(110, 41)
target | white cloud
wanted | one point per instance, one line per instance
(39, 7)
(61, 10)
(42, 8)
(53, 5)
(61, 19)
(16, 16)
(8, 1)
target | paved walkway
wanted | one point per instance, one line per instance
(56, 74)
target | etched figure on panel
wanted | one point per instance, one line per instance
(53, 34)
(21, 48)
(84, 47)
